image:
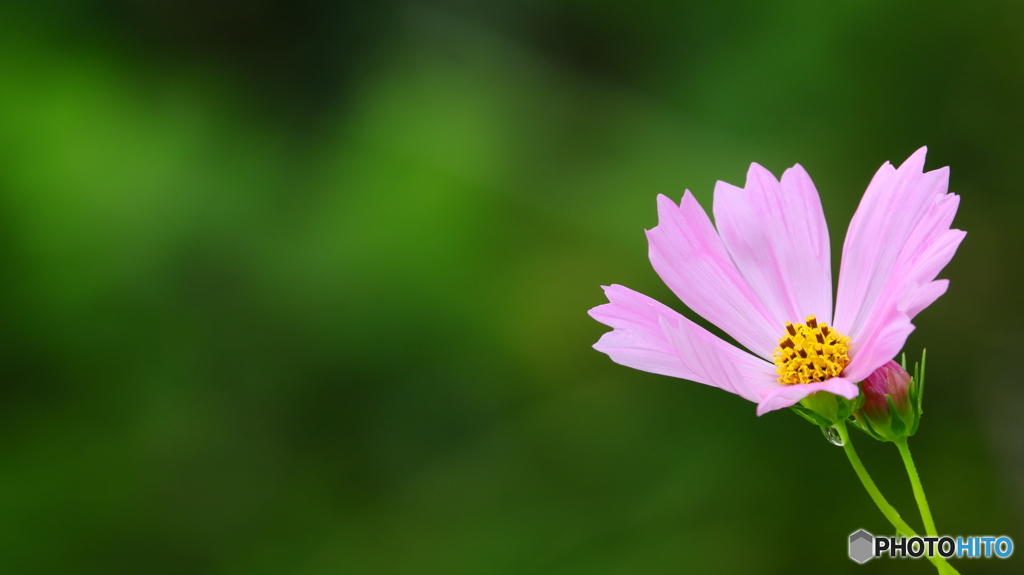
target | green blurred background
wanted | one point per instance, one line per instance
(301, 287)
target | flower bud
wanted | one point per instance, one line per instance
(892, 380)
(889, 403)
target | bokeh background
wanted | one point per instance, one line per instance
(301, 287)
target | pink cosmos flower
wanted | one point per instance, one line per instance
(765, 278)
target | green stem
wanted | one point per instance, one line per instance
(888, 510)
(915, 481)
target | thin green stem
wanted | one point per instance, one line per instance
(915, 481)
(888, 510)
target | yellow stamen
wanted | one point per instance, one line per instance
(810, 352)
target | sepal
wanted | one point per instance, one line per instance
(825, 409)
(896, 424)
(810, 416)
(916, 391)
(859, 422)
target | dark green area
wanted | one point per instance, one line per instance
(300, 287)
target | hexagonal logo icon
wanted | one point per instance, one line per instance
(861, 546)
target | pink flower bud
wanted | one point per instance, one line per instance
(890, 379)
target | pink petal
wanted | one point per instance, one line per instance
(651, 337)
(776, 234)
(691, 259)
(787, 395)
(637, 340)
(878, 346)
(924, 297)
(898, 241)
(715, 362)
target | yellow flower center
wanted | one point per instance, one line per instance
(810, 352)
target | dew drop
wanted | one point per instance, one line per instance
(832, 436)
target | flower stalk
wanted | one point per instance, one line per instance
(915, 482)
(888, 510)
